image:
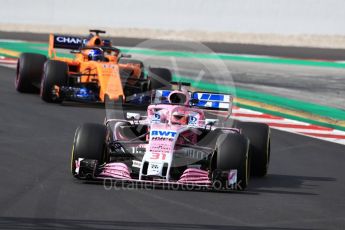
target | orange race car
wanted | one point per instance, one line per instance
(97, 73)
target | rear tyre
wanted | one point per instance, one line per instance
(159, 78)
(89, 143)
(55, 74)
(259, 150)
(29, 72)
(232, 153)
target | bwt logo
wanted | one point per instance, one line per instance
(69, 40)
(163, 133)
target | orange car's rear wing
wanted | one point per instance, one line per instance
(63, 42)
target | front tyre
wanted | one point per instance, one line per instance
(231, 153)
(159, 78)
(89, 143)
(55, 74)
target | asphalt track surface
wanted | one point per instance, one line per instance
(234, 48)
(304, 189)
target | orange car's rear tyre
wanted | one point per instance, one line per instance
(55, 74)
(29, 72)
(159, 78)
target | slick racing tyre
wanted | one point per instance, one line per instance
(231, 153)
(89, 143)
(29, 72)
(259, 149)
(159, 78)
(55, 74)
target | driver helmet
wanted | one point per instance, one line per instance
(179, 118)
(95, 55)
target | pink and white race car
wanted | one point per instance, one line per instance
(179, 142)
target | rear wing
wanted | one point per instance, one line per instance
(63, 42)
(57, 41)
(212, 101)
(203, 100)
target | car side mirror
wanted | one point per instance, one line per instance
(211, 121)
(133, 116)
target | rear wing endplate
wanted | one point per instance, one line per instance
(212, 101)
